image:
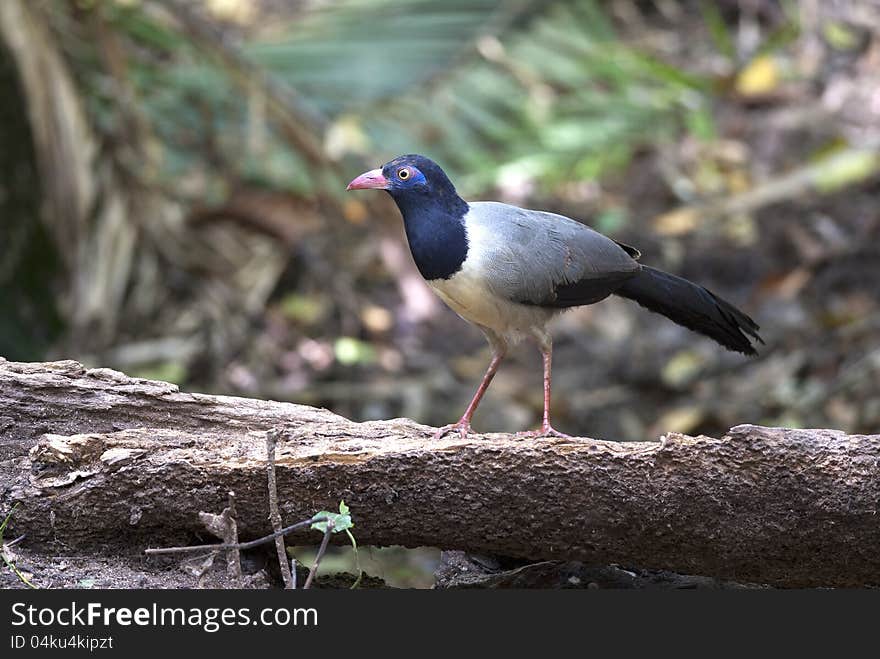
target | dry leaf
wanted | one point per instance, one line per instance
(759, 78)
(677, 222)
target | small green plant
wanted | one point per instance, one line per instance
(4, 551)
(339, 522)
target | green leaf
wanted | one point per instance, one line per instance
(341, 520)
(844, 169)
(175, 372)
(350, 351)
(5, 522)
(839, 36)
(718, 29)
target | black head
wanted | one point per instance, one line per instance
(415, 174)
(413, 181)
(433, 213)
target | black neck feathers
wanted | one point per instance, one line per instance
(436, 235)
(433, 216)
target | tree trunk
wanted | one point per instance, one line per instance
(96, 458)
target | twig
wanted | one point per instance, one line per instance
(12, 543)
(838, 171)
(320, 554)
(238, 545)
(18, 573)
(274, 514)
(233, 556)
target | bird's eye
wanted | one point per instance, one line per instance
(403, 174)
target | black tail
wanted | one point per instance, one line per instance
(693, 307)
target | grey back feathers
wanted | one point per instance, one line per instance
(551, 262)
(543, 259)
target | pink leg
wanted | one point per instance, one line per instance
(546, 429)
(463, 425)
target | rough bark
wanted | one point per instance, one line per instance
(96, 458)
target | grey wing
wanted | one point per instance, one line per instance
(549, 260)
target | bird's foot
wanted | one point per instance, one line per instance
(463, 426)
(546, 430)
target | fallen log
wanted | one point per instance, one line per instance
(97, 459)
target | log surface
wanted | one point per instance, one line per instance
(97, 459)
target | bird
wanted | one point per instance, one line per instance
(510, 271)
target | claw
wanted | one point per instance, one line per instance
(462, 426)
(546, 430)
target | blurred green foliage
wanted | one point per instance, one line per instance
(543, 90)
(512, 95)
(218, 245)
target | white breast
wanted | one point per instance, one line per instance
(468, 294)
